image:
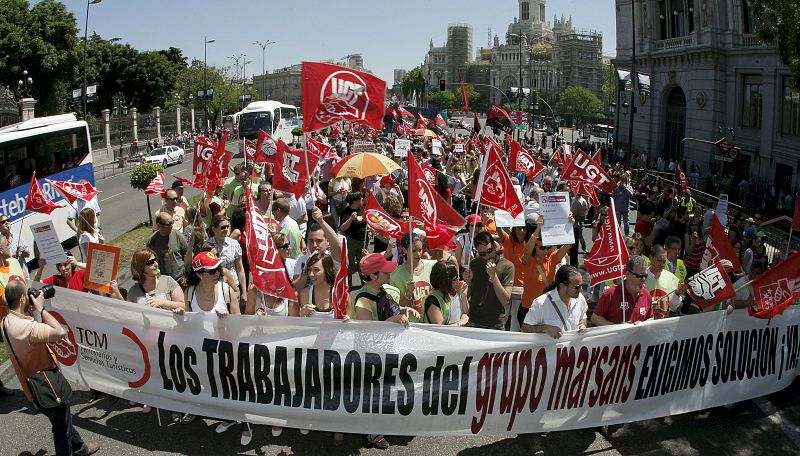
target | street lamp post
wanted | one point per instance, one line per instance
(629, 152)
(206, 42)
(263, 52)
(85, 45)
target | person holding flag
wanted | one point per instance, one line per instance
(666, 290)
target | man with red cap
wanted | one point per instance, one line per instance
(388, 186)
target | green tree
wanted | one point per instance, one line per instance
(43, 41)
(581, 103)
(442, 99)
(141, 176)
(414, 80)
(779, 25)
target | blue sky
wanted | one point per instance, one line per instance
(388, 34)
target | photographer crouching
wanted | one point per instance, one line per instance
(27, 329)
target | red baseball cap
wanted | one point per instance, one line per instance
(474, 219)
(376, 262)
(205, 260)
(386, 180)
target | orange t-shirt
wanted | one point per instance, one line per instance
(534, 282)
(490, 227)
(513, 252)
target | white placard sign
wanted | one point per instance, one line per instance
(722, 209)
(436, 147)
(556, 229)
(46, 238)
(458, 148)
(402, 147)
(362, 146)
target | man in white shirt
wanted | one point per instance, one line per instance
(561, 308)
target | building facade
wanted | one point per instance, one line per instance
(710, 78)
(284, 84)
(535, 55)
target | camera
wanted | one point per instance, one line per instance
(49, 291)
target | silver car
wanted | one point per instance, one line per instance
(165, 156)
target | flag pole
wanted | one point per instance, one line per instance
(621, 266)
(789, 243)
(478, 192)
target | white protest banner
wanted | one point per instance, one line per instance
(362, 146)
(402, 147)
(505, 220)
(46, 238)
(458, 148)
(377, 377)
(556, 229)
(722, 209)
(436, 147)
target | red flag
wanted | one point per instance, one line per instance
(498, 117)
(586, 189)
(184, 180)
(521, 161)
(680, 177)
(777, 288)
(380, 221)
(266, 265)
(319, 149)
(495, 188)
(426, 204)
(402, 128)
(556, 157)
(37, 200)
(598, 157)
(422, 122)
(476, 124)
(440, 120)
(332, 93)
(203, 151)
(156, 186)
(710, 286)
(464, 96)
(430, 174)
(249, 149)
(405, 115)
(583, 168)
(340, 297)
(73, 191)
(217, 167)
(608, 256)
(266, 148)
(291, 173)
(796, 218)
(718, 247)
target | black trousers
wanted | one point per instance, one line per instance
(65, 437)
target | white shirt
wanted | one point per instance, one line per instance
(542, 311)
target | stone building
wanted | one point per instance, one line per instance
(284, 84)
(575, 58)
(710, 78)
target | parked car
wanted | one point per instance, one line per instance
(165, 156)
(454, 123)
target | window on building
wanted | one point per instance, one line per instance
(525, 11)
(790, 118)
(752, 102)
(748, 21)
(675, 18)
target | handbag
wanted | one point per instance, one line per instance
(48, 388)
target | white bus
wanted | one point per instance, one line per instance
(57, 148)
(273, 117)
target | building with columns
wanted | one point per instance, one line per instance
(537, 54)
(710, 78)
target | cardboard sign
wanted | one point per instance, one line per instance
(362, 146)
(402, 147)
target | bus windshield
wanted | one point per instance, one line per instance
(251, 122)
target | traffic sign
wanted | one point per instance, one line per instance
(522, 127)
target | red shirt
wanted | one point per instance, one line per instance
(75, 280)
(639, 308)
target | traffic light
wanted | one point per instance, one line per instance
(442, 85)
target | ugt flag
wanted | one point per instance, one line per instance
(495, 188)
(776, 289)
(608, 256)
(521, 161)
(292, 167)
(718, 247)
(583, 168)
(710, 286)
(37, 200)
(332, 93)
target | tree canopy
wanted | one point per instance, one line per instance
(414, 80)
(778, 24)
(581, 103)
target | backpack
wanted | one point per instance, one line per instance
(385, 305)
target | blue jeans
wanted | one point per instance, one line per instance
(622, 218)
(65, 437)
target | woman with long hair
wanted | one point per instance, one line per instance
(228, 250)
(88, 231)
(447, 289)
(315, 299)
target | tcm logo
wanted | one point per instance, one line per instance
(66, 350)
(343, 95)
(92, 338)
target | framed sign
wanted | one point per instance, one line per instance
(101, 267)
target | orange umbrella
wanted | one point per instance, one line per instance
(364, 164)
(424, 132)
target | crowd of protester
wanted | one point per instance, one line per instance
(487, 276)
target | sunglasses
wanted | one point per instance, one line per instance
(284, 246)
(486, 253)
(209, 271)
(223, 227)
(638, 276)
(172, 199)
(150, 262)
(166, 224)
